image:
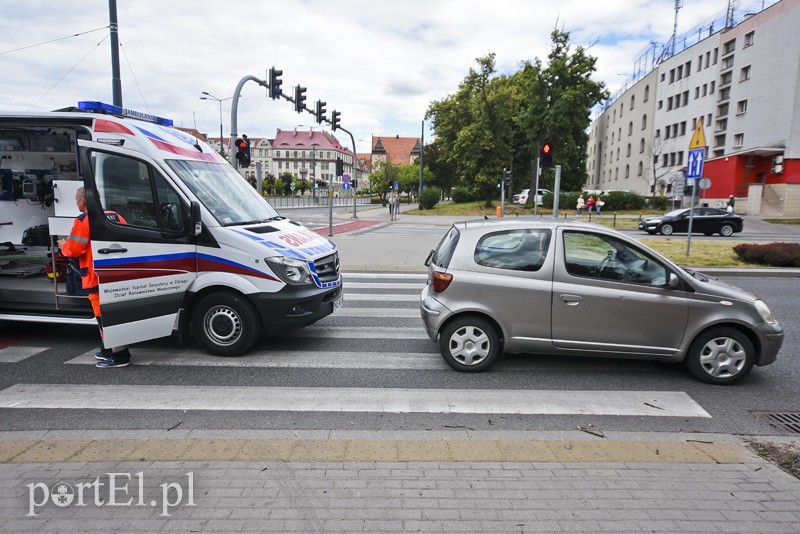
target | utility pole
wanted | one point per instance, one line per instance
(116, 80)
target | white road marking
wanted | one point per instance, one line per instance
(378, 400)
(17, 354)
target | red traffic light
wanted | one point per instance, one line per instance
(546, 148)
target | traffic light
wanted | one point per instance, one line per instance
(243, 151)
(275, 82)
(355, 184)
(335, 120)
(506, 176)
(299, 98)
(546, 155)
(339, 166)
(320, 111)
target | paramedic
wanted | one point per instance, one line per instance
(78, 245)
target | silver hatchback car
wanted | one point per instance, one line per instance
(584, 290)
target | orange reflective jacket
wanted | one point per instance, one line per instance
(79, 246)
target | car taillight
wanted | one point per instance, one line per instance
(441, 281)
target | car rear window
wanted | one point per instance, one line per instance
(444, 252)
(515, 250)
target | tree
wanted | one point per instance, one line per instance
(563, 116)
(284, 183)
(476, 127)
(382, 178)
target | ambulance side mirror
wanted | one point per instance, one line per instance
(195, 219)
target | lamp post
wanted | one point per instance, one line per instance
(209, 96)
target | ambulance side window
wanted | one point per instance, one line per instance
(134, 194)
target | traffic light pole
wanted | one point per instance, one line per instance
(536, 190)
(234, 114)
(352, 140)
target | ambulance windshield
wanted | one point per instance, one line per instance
(223, 191)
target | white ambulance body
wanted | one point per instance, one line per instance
(199, 251)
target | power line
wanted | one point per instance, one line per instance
(53, 41)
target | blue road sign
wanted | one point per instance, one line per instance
(346, 185)
(694, 163)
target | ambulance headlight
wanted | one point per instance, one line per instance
(290, 270)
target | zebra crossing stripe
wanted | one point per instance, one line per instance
(17, 354)
(374, 400)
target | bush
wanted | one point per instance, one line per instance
(772, 254)
(460, 195)
(429, 198)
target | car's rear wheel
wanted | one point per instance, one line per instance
(469, 344)
(225, 324)
(721, 356)
(666, 229)
(726, 230)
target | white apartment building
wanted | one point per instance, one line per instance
(743, 82)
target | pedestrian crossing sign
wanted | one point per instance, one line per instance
(699, 137)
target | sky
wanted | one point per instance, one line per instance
(379, 63)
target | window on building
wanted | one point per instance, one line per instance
(663, 76)
(686, 98)
(628, 150)
(669, 104)
(633, 100)
(744, 74)
(729, 47)
(640, 169)
(627, 171)
(680, 158)
(679, 72)
(646, 93)
(641, 146)
(630, 128)
(719, 140)
(705, 89)
(708, 58)
(658, 132)
(722, 110)
(660, 104)
(688, 68)
(280, 165)
(748, 39)
(725, 79)
(738, 140)
(644, 122)
(716, 56)
(722, 125)
(727, 63)
(724, 94)
(667, 131)
(621, 109)
(683, 128)
(665, 160)
(672, 159)
(699, 62)
(708, 119)
(741, 107)
(697, 92)
(672, 76)
(711, 88)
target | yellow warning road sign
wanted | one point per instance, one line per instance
(699, 137)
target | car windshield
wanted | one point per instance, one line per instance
(223, 191)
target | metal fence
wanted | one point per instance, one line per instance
(310, 202)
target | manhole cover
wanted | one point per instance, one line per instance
(789, 423)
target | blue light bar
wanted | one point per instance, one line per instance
(123, 112)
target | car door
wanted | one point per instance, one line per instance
(611, 296)
(143, 248)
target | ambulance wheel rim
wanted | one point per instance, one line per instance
(223, 325)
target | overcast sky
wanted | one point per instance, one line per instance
(380, 63)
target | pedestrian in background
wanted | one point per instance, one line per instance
(79, 245)
(599, 204)
(579, 207)
(731, 202)
(589, 205)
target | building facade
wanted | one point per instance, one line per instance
(743, 83)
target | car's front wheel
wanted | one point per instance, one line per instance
(225, 324)
(726, 230)
(721, 356)
(666, 229)
(469, 344)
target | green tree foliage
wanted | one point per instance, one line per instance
(498, 121)
(559, 102)
(382, 178)
(429, 198)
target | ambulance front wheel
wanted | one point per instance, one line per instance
(225, 324)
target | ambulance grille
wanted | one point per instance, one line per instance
(328, 268)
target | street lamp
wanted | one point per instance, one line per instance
(209, 96)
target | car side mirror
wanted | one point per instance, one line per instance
(428, 259)
(673, 280)
(195, 219)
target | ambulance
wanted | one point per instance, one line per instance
(200, 252)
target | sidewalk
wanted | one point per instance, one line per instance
(206, 481)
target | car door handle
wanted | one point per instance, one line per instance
(115, 250)
(571, 300)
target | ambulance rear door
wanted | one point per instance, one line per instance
(143, 243)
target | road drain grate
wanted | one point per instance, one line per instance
(789, 423)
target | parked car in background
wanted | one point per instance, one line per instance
(522, 198)
(706, 221)
(576, 289)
